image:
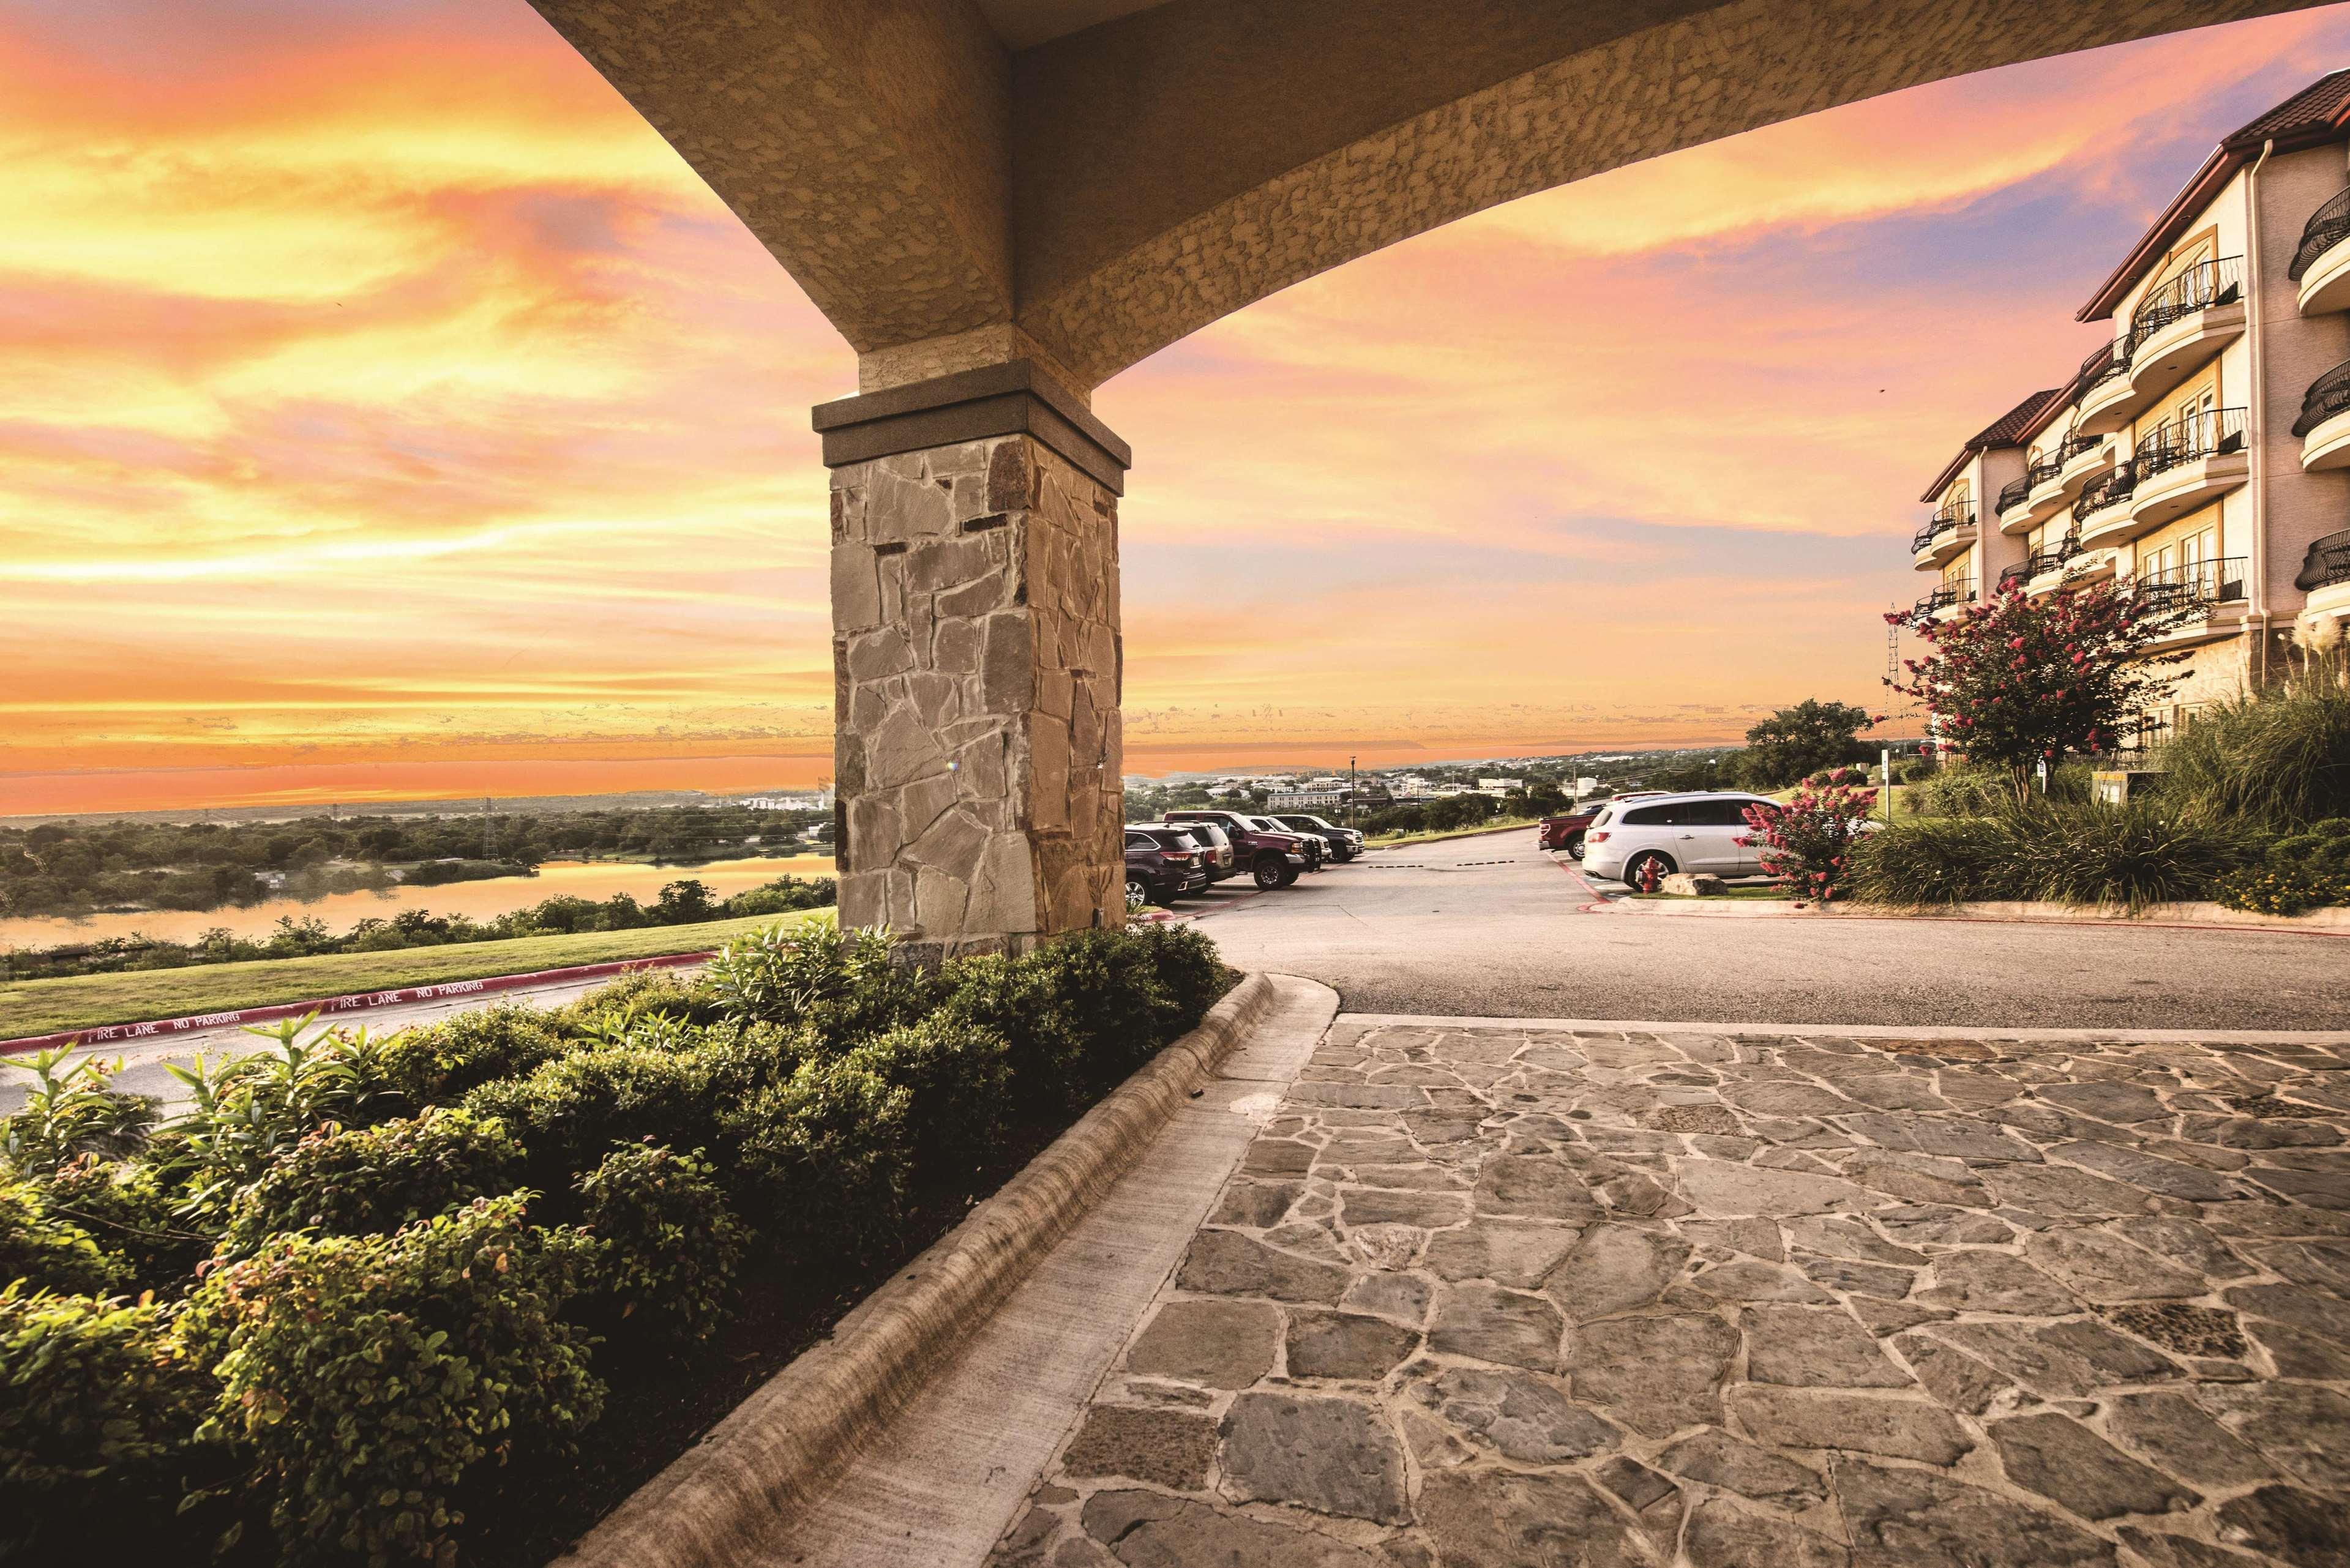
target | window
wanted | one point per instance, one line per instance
(1141, 841)
(1718, 813)
(1653, 817)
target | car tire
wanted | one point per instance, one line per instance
(1633, 867)
(1574, 847)
(1141, 885)
(1271, 873)
(1289, 875)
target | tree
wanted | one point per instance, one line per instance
(1802, 740)
(2019, 680)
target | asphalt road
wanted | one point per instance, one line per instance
(1490, 926)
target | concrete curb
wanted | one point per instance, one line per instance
(2175, 917)
(781, 1447)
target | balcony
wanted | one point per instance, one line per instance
(1948, 597)
(2015, 576)
(2322, 265)
(1945, 535)
(2014, 496)
(2183, 465)
(2103, 511)
(2182, 324)
(2324, 423)
(2325, 575)
(2050, 561)
(2200, 601)
(2106, 398)
(2083, 458)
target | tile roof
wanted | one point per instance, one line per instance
(2005, 430)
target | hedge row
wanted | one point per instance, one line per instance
(311, 1317)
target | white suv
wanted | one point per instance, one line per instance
(1678, 832)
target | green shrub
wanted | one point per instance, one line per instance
(130, 1215)
(667, 1246)
(1917, 770)
(2132, 856)
(957, 1083)
(371, 1375)
(2289, 889)
(438, 1064)
(43, 1251)
(843, 984)
(1019, 1002)
(571, 1111)
(72, 1109)
(1109, 982)
(95, 1399)
(2322, 849)
(643, 994)
(2279, 756)
(828, 1153)
(1193, 977)
(350, 1181)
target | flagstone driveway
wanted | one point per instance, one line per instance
(1490, 1292)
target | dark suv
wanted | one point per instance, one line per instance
(1162, 863)
(1275, 860)
(1345, 842)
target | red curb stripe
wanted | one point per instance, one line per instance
(357, 1002)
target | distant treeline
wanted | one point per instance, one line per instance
(680, 903)
(73, 868)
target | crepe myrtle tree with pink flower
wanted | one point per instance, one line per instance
(1808, 842)
(2020, 679)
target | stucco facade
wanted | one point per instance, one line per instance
(2172, 458)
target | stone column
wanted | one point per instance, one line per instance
(976, 662)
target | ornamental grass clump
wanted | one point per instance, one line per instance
(2280, 756)
(1807, 842)
(2129, 856)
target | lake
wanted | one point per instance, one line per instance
(482, 900)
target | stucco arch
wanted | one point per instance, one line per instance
(957, 183)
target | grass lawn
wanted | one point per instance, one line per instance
(1498, 825)
(85, 1001)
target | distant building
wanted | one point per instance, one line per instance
(1299, 799)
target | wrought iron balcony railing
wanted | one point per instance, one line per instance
(2042, 469)
(2199, 288)
(2107, 490)
(2327, 227)
(2194, 586)
(2214, 433)
(2011, 494)
(2327, 562)
(2014, 576)
(2076, 446)
(1953, 515)
(2328, 396)
(2043, 561)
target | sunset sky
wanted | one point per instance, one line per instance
(389, 411)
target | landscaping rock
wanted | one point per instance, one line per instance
(1693, 885)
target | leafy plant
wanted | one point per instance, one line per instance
(831, 1153)
(72, 1109)
(439, 1062)
(956, 1080)
(130, 1215)
(668, 1248)
(1802, 740)
(95, 1396)
(42, 1250)
(2127, 855)
(843, 985)
(371, 1375)
(347, 1181)
(2289, 889)
(2020, 679)
(569, 1112)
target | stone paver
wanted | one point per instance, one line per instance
(1500, 1294)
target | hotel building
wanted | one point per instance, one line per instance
(2203, 451)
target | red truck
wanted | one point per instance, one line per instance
(1275, 860)
(1564, 831)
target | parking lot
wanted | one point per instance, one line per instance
(1491, 926)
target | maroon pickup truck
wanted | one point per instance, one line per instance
(1275, 860)
(1564, 831)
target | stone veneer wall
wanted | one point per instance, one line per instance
(977, 668)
